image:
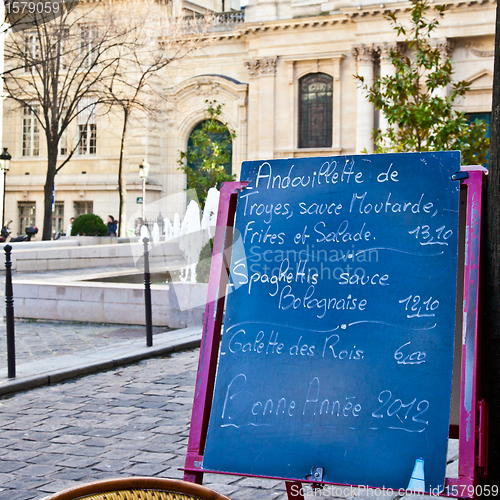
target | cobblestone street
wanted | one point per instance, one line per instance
(132, 420)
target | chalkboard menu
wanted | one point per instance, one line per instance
(337, 350)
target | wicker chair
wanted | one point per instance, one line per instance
(138, 488)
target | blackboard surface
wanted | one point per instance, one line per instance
(337, 349)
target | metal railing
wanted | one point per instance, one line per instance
(149, 223)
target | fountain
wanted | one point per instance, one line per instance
(176, 304)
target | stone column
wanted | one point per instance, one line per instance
(337, 100)
(386, 69)
(240, 153)
(365, 111)
(253, 108)
(261, 98)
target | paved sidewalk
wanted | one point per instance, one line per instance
(103, 355)
(131, 420)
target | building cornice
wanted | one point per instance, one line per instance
(381, 9)
(343, 16)
(294, 24)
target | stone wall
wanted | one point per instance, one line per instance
(175, 306)
(50, 258)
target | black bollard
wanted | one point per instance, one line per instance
(147, 295)
(9, 315)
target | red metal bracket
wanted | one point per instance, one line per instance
(294, 490)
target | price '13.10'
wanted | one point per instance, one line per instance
(425, 234)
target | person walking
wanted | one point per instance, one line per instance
(70, 225)
(112, 225)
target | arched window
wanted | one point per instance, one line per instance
(223, 140)
(315, 111)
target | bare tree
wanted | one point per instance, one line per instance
(155, 38)
(94, 56)
(56, 71)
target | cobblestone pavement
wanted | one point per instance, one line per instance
(37, 340)
(132, 420)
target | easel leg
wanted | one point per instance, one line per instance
(214, 313)
(294, 490)
(193, 477)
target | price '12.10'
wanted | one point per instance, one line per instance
(414, 306)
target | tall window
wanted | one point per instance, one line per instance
(486, 117)
(31, 50)
(315, 111)
(61, 45)
(27, 215)
(63, 140)
(58, 217)
(87, 49)
(83, 207)
(31, 132)
(63, 143)
(87, 127)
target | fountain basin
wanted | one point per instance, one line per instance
(71, 254)
(176, 305)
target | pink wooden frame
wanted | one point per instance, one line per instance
(472, 461)
(473, 413)
(212, 325)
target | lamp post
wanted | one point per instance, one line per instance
(143, 173)
(5, 158)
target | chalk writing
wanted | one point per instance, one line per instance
(339, 329)
(427, 235)
(318, 404)
(415, 305)
(407, 357)
(288, 299)
(330, 172)
(387, 205)
(405, 413)
(342, 234)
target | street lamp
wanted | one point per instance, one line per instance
(5, 158)
(143, 173)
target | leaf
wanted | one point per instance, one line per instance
(419, 116)
(210, 151)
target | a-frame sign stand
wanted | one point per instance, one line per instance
(473, 426)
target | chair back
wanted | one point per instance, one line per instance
(138, 488)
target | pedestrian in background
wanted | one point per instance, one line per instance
(68, 231)
(138, 224)
(112, 225)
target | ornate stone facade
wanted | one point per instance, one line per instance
(255, 68)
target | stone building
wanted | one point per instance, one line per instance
(284, 71)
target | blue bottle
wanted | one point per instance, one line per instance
(417, 480)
